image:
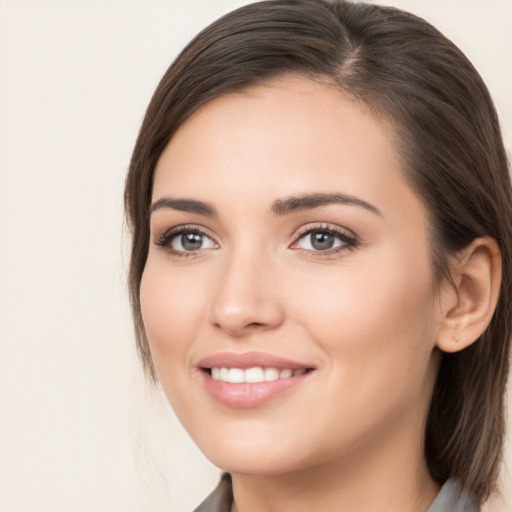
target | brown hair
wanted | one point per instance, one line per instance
(453, 154)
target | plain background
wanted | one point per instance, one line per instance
(79, 430)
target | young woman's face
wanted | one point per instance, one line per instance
(288, 294)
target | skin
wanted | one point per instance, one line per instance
(367, 318)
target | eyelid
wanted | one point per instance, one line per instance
(165, 238)
(348, 238)
(327, 226)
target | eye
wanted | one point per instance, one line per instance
(319, 241)
(183, 240)
(326, 240)
(191, 242)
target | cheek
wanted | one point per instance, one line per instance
(172, 305)
(375, 328)
(375, 321)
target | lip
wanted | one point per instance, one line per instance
(246, 395)
(248, 360)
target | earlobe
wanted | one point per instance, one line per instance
(467, 310)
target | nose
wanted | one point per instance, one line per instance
(246, 299)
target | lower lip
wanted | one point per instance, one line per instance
(245, 395)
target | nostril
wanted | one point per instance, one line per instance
(255, 324)
(238, 327)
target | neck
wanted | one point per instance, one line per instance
(389, 476)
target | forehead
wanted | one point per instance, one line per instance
(291, 136)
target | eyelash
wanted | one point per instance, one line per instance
(349, 242)
(166, 239)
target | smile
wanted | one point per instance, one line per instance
(254, 374)
(250, 379)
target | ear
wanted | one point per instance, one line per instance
(467, 308)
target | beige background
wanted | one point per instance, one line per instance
(79, 431)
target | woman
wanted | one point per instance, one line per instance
(320, 277)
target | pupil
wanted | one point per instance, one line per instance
(322, 241)
(191, 241)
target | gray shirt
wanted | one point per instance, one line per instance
(451, 498)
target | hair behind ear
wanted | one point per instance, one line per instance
(467, 405)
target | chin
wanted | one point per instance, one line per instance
(266, 465)
(245, 456)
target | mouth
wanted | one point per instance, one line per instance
(254, 374)
(250, 379)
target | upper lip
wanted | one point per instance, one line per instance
(248, 360)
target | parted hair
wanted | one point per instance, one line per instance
(447, 133)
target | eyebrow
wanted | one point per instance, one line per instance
(310, 201)
(279, 207)
(184, 205)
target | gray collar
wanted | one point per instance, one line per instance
(451, 498)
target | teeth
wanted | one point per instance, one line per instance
(271, 374)
(255, 374)
(236, 375)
